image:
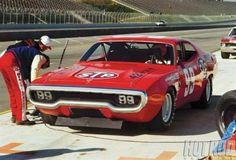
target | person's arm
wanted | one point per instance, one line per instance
(38, 61)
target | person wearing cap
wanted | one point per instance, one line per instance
(43, 44)
(19, 65)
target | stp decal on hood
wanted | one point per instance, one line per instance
(98, 75)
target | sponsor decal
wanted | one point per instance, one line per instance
(136, 75)
(22, 90)
(173, 77)
(96, 75)
(142, 73)
(203, 68)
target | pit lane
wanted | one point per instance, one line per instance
(46, 142)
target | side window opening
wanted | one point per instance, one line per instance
(181, 56)
(189, 50)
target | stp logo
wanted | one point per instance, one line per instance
(96, 75)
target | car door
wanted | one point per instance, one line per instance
(188, 71)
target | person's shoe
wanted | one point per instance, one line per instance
(25, 122)
(13, 119)
(27, 113)
(35, 113)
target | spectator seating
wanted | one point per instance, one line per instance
(43, 4)
(185, 7)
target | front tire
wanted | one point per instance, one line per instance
(225, 111)
(162, 121)
(206, 96)
(225, 55)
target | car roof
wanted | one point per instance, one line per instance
(141, 38)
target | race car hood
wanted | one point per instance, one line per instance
(229, 39)
(104, 74)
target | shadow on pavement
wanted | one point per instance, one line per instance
(46, 153)
(188, 121)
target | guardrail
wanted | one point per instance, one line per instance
(10, 32)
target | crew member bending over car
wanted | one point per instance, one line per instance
(17, 65)
(42, 44)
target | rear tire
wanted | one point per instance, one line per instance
(48, 119)
(206, 96)
(225, 55)
(162, 121)
(225, 111)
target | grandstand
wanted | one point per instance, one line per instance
(45, 11)
(181, 7)
(43, 4)
(77, 11)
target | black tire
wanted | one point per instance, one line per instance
(206, 96)
(163, 122)
(225, 55)
(48, 119)
(225, 111)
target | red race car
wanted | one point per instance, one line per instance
(228, 44)
(129, 78)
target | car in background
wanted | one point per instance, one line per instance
(228, 44)
(141, 79)
(160, 23)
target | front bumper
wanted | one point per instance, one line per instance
(228, 49)
(87, 103)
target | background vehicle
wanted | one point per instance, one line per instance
(139, 79)
(160, 23)
(226, 111)
(228, 44)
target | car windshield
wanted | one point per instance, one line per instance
(156, 53)
(233, 32)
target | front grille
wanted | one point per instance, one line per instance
(114, 99)
(230, 44)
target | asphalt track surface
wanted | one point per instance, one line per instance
(190, 125)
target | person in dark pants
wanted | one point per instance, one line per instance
(17, 65)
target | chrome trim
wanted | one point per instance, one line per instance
(88, 103)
